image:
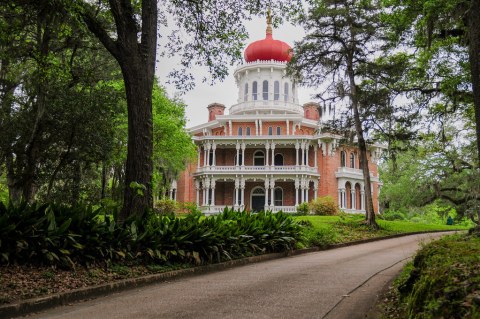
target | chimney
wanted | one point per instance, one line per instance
(311, 111)
(215, 109)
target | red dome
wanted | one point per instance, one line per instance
(268, 49)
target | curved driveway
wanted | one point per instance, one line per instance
(338, 283)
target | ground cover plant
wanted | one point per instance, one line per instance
(443, 281)
(324, 231)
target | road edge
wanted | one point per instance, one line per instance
(28, 306)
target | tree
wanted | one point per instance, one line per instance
(443, 32)
(342, 36)
(215, 30)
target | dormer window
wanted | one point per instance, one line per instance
(265, 90)
(254, 90)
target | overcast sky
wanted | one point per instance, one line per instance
(226, 92)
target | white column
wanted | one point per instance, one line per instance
(242, 193)
(307, 189)
(205, 155)
(197, 188)
(212, 186)
(260, 126)
(354, 200)
(288, 127)
(302, 190)
(230, 127)
(344, 196)
(199, 149)
(267, 147)
(170, 193)
(303, 154)
(339, 198)
(238, 155)
(315, 190)
(243, 154)
(297, 184)
(362, 196)
(272, 190)
(214, 148)
(256, 127)
(235, 200)
(307, 148)
(267, 185)
(273, 153)
(209, 147)
(296, 153)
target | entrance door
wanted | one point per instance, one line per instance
(258, 200)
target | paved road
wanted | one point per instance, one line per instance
(340, 283)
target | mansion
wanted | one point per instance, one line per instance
(269, 152)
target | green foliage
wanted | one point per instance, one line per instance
(324, 206)
(303, 209)
(64, 236)
(165, 206)
(393, 215)
(444, 280)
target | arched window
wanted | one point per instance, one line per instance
(259, 158)
(257, 199)
(276, 90)
(245, 93)
(279, 130)
(278, 195)
(210, 158)
(248, 131)
(343, 158)
(348, 192)
(254, 90)
(270, 130)
(265, 90)
(240, 131)
(278, 159)
(352, 160)
(285, 92)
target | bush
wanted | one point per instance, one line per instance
(303, 209)
(64, 236)
(165, 206)
(324, 206)
(393, 215)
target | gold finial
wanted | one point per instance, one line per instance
(269, 21)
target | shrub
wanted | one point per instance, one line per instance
(165, 206)
(393, 215)
(324, 206)
(303, 209)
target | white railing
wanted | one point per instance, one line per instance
(259, 104)
(268, 169)
(352, 211)
(217, 209)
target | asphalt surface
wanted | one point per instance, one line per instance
(339, 283)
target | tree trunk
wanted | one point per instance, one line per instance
(474, 57)
(369, 211)
(137, 61)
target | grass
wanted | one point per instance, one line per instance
(323, 231)
(442, 282)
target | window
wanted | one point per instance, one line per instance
(352, 160)
(343, 158)
(278, 195)
(270, 130)
(279, 130)
(254, 90)
(265, 90)
(248, 131)
(278, 160)
(276, 90)
(240, 131)
(245, 93)
(285, 92)
(259, 158)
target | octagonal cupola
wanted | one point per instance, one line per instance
(263, 85)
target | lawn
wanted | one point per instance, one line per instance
(323, 231)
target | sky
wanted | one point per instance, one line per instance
(226, 92)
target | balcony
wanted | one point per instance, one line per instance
(217, 209)
(280, 106)
(258, 169)
(353, 173)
